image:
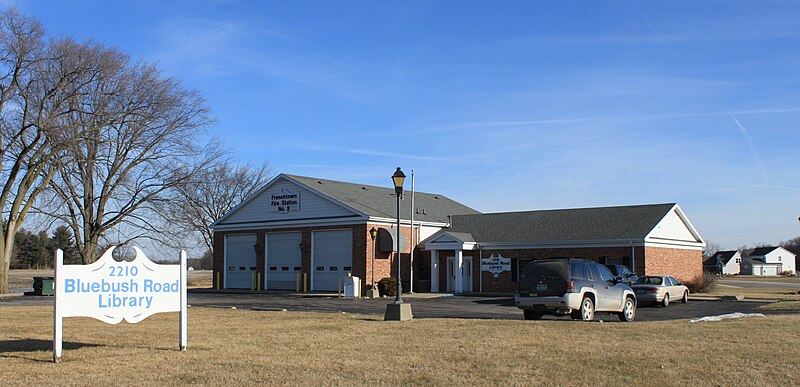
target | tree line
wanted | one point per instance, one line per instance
(35, 250)
(105, 146)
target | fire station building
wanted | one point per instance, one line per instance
(309, 233)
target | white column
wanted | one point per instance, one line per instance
(434, 271)
(459, 266)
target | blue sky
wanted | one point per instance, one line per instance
(500, 105)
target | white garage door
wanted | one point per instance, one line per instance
(769, 270)
(240, 261)
(283, 260)
(332, 258)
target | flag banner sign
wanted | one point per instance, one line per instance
(112, 291)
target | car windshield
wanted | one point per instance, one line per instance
(649, 281)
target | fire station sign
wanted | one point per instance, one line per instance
(284, 201)
(496, 264)
(112, 291)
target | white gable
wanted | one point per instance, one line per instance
(283, 200)
(673, 228)
(445, 241)
(779, 255)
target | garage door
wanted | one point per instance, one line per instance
(332, 258)
(240, 261)
(283, 260)
(769, 270)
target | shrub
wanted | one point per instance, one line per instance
(787, 273)
(705, 283)
(387, 286)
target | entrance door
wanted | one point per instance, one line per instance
(283, 260)
(466, 274)
(240, 261)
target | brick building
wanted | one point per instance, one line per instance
(309, 233)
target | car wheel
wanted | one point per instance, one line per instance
(685, 298)
(531, 315)
(587, 309)
(629, 311)
(665, 301)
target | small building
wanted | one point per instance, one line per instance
(771, 260)
(650, 239)
(309, 233)
(724, 263)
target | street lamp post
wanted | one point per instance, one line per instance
(398, 310)
(397, 178)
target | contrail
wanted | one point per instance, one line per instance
(661, 38)
(752, 149)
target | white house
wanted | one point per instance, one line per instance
(769, 261)
(724, 262)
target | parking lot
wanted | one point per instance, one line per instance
(423, 305)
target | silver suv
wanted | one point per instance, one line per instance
(573, 286)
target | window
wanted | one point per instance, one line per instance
(738, 260)
(594, 273)
(672, 281)
(518, 266)
(578, 269)
(605, 274)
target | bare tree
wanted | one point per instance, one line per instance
(139, 138)
(711, 249)
(792, 245)
(40, 80)
(213, 193)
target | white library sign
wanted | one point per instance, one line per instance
(112, 291)
(496, 264)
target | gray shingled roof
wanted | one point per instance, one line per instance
(382, 202)
(579, 224)
(759, 251)
(723, 256)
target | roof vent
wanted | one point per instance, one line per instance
(364, 188)
(320, 182)
(435, 197)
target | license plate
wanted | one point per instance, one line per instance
(532, 294)
(541, 286)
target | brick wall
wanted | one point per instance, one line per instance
(684, 265)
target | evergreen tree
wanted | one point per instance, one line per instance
(62, 239)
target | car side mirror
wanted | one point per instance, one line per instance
(617, 279)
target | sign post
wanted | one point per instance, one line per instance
(112, 291)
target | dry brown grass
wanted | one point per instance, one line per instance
(23, 279)
(782, 306)
(239, 347)
(781, 294)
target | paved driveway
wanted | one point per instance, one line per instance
(423, 306)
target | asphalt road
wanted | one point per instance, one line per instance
(424, 306)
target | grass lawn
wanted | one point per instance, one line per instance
(729, 287)
(23, 279)
(240, 347)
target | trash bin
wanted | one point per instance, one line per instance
(43, 286)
